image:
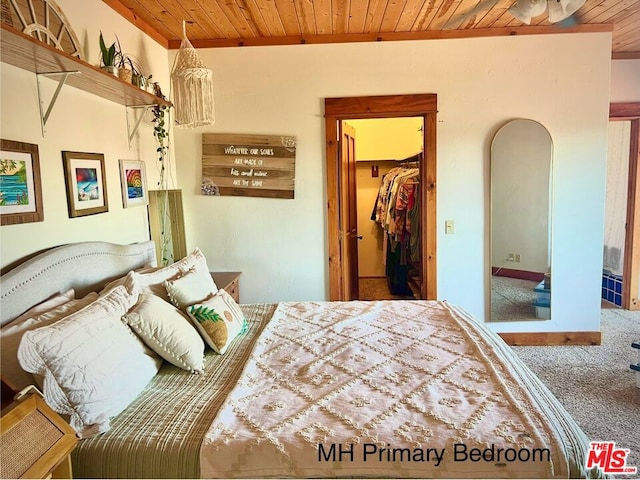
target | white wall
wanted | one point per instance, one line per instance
(85, 123)
(280, 245)
(625, 81)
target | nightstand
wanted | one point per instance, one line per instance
(35, 442)
(228, 281)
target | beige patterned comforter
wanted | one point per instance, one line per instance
(388, 389)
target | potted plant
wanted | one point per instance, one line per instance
(138, 78)
(125, 68)
(150, 85)
(124, 63)
(108, 57)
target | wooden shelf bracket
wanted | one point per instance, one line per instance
(44, 115)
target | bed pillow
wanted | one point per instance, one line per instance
(93, 364)
(48, 304)
(194, 286)
(168, 332)
(153, 282)
(11, 334)
(219, 320)
(124, 280)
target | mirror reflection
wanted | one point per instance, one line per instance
(521, 154)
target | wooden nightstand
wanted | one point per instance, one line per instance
(35, 442)
(228, 281)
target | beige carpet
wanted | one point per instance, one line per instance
(595, 383)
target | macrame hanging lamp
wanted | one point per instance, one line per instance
(191, 87)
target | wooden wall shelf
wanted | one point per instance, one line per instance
(30, 54)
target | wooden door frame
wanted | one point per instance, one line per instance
(631, 270)
(385, 106)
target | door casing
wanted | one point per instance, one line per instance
(385, 106)
(631, 269)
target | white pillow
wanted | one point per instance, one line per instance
(93, 364)
(168, 332)
(123, 280)
(194, 286)
(48, 304)
(10, 336)
(219, 320)
(153, 282)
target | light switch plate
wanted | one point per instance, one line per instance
(448, 226)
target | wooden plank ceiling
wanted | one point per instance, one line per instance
(218, 23)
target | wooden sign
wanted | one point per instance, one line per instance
(248, 165)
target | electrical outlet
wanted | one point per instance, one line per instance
(511, 257)
(517, 257)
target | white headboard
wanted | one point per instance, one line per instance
(85, 266)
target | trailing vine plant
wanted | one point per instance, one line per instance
(161, 114)
(162, 137)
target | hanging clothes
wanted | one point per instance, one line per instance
(396, 212)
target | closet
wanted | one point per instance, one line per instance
(397, 214)
(388, 153)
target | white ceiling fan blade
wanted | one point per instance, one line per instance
(456, 20)
(525, 10)
(561, 9)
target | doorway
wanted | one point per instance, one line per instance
(341, 186)
(387, 152)
(630, 291)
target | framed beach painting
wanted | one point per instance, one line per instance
(86, 183)
(134, 183)
(20, 188)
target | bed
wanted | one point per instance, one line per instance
(305, 389)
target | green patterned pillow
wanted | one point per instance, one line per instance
(219, 320)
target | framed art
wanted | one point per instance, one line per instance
(134, 183)
(86, 183)
(20, 188)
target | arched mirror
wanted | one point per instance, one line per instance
(521, 156)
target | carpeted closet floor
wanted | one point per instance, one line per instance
(376, 288)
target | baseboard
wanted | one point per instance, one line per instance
(552, 338)
(520, 274)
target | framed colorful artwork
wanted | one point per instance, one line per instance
(134, 183)
(86, 183)
(20, 188)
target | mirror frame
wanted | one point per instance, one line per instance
(542, 292)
